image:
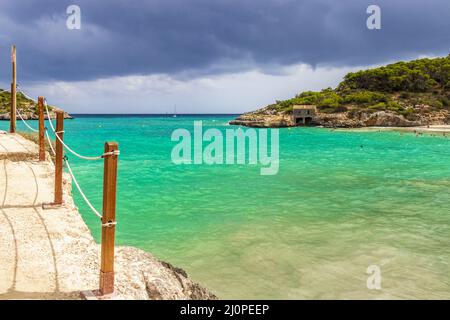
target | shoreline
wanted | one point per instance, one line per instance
(443, 130)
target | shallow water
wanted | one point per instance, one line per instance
(342, 201)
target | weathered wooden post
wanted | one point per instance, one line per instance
(12, 123)
(108, 218)
(41, 129)
(59, 157)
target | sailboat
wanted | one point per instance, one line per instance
(175, 112)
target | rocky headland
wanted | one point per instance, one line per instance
(268, 118)
(28, 108)
(403, 94)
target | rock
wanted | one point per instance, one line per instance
(387, 119)
(264, 120)
(270, 118)
(142, 276)
(28, 115)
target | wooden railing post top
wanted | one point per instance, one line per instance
(111, 145)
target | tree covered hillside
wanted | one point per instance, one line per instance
(403, 88)
(27, 107)
(23, 103)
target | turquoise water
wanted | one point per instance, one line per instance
(342, 201)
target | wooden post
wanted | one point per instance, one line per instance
(12, 123)
(41, 129)
(108, 220)
(59, 157)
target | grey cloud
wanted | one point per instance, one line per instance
(194, 37)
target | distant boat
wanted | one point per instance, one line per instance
(175, 112)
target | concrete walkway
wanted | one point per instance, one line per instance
(15, 147)
(37, 255)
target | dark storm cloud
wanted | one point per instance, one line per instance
(192, 37)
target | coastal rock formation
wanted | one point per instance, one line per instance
(142, 276)
(364, 119)
(268, 118)
(264, 120)
(402, 94)
(27, 107)
(31, 115)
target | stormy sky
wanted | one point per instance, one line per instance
(207, 56)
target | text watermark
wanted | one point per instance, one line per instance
(236, 146)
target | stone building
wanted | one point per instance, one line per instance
(303, 114)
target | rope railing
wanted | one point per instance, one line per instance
(70, 149)
(54, 131)
(50, 142)
(24, 94)
(66, 161)
(79, 189)
(20, 115)
(111, 151)
(25, 123)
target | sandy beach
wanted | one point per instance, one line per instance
(437, 130)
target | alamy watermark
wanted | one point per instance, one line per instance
(73, 21)
(236, 146)
(374, 20)
(374, 279)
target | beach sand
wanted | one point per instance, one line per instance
(437, 130)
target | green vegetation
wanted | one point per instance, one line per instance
(396, 87)
(23, 103)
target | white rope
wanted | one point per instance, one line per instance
(68, 148)
(48, 115)
(81, 191)
(26, 96)
(109, 224)
(18, 112)
(115, 152)
(46, 131)
(50, 142)
(29, 127)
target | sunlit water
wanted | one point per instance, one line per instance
(342, 201)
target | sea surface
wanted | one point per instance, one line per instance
(342, 202)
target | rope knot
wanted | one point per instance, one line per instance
(111, 153)
(109, 224)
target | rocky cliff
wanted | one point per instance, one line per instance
(270, 118)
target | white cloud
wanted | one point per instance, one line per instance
(230, 93)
